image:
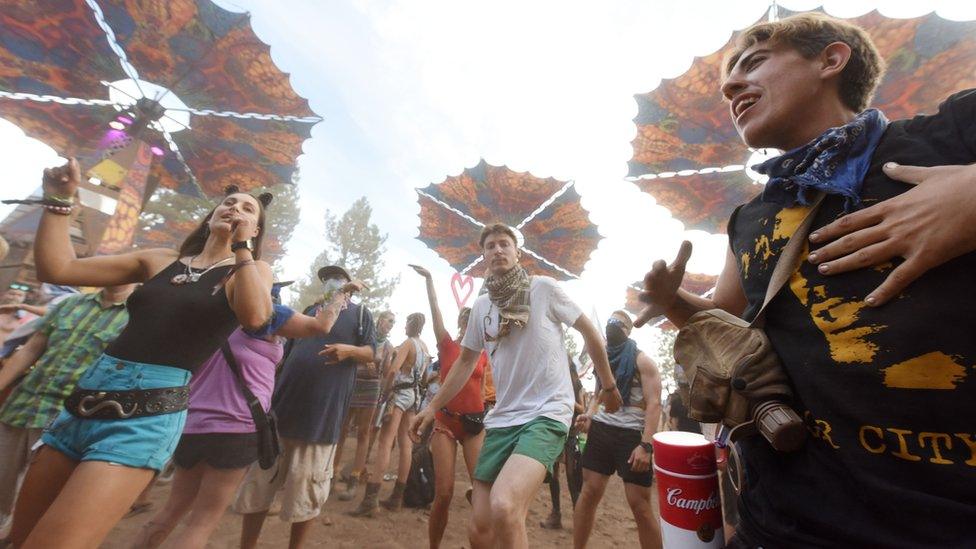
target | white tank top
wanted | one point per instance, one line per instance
(419, 364)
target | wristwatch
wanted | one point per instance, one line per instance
(647, 446)
(242, 245)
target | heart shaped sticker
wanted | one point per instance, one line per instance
(462, 285)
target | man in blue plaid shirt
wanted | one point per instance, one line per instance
(72, 335)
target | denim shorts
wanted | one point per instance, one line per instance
(144, 442)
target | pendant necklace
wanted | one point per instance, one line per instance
(189, 277)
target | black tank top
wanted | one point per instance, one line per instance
(179, 326)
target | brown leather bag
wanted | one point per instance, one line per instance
(735, 375)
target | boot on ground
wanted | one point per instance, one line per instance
(352, 485)
(395, 503)
(368, 507)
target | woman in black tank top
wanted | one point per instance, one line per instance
(121, 424)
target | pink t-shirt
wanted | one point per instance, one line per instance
(216, 402)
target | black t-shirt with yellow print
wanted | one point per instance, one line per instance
(888, 393)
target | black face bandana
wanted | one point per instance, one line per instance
(615, 333)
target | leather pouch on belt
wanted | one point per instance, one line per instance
(730, 367)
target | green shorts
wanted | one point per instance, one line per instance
(541, 439)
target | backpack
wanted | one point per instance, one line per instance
(419, 490)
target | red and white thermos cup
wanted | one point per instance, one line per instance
(687, 489)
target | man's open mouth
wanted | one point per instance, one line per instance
(743, 103)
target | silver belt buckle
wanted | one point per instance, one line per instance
(100, 404)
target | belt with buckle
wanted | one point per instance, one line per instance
(95, 404)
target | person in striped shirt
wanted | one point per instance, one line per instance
(72, 335)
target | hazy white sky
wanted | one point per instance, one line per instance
(412, 91)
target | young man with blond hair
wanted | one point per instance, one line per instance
(519, 323)
(874, 328)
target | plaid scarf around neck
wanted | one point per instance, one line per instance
(510, 293)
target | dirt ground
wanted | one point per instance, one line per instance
(408, 529)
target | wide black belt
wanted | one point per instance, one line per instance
(95, 404)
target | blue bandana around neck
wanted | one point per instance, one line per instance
(623, 362)
(834, 163)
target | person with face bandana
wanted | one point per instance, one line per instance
(621, 441)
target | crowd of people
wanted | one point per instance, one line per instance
(187, 357)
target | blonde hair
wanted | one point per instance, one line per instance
(4, 248)
(809, 34)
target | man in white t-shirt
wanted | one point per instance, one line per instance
(519, 323)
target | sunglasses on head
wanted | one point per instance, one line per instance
(21, 287)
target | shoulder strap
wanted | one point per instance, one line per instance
(787, 261)
(359, 324)
(257, 411)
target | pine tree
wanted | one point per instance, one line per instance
(356, 244)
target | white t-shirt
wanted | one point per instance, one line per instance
(529, 364)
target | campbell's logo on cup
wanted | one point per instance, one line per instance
(687, 481)
(697, 505)
(689, 502)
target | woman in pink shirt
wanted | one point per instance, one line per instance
(220, 440)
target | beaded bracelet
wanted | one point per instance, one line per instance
(59, 210)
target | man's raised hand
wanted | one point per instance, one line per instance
(353, 286)
(661, 285)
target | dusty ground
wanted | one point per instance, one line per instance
(408, 528)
